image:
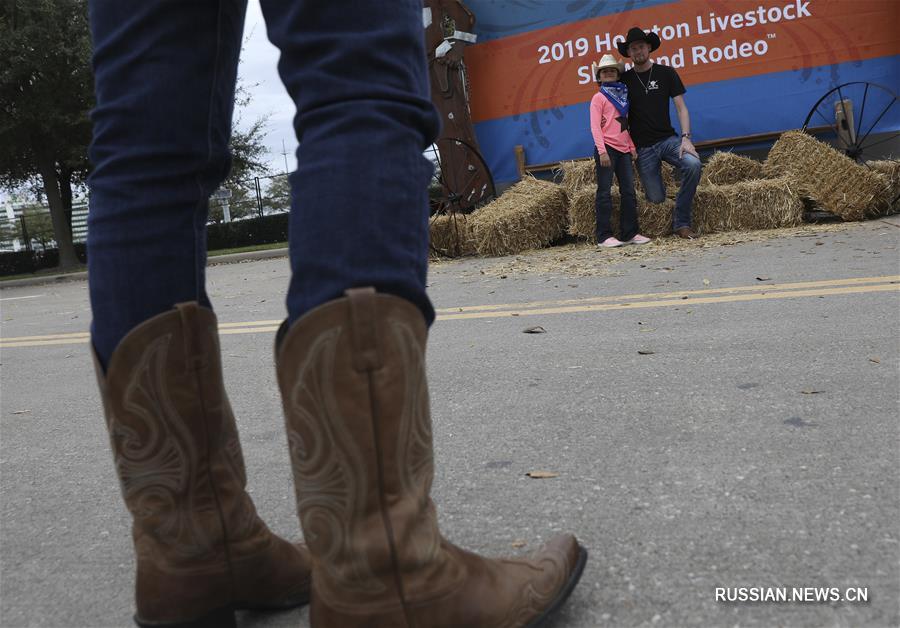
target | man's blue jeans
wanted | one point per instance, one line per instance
(165, 73)
(649, 164)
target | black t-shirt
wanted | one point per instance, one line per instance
(648, 94)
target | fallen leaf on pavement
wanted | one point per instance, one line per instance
(811, 392)
(537, 329)
(645, 352)
(875, 360)
(763, 278)
(706, 282)
(518, 543)
(540, 475)
(22, 412)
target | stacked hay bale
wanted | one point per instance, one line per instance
(889, 169)
(825, 175)
(745, 205)
(529, 215)
(450, 235)
(577, 175)
(655, 219)
(582, 216)
(724, 168)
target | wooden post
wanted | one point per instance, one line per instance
(520, 159)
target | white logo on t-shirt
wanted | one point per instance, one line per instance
(652, 85)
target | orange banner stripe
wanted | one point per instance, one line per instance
(507, 78)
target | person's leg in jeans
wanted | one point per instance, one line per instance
(688, 168)
(603, 200)
(165, 77)
(364, 117)
(628, 218)
(350, 357)
(649, 169)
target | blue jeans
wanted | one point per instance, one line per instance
(620, 165)
(165, 74)
(649, 162)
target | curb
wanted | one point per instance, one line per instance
(230, 258)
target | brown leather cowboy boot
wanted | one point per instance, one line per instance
(201, 549)
(352, 378)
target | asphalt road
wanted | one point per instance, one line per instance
(718, 417)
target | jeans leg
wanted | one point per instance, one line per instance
(359, 215)
(651, 176)
(165, 75)
(628, 222)
(689, 169)
(603, 200)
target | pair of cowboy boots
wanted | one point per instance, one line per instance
(352, 378)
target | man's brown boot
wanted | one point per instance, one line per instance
(201, 549)
(352, 378)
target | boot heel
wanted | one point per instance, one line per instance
(219, 618)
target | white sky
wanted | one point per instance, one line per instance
(259, 61)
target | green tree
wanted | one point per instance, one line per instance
(34, 226)
(248, 160)
(46, 92)
(38, 226)
(278, 194)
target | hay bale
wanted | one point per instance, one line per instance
(825, 175)
(577, 175)
(724, 168)
(582, 213)
(889, 169)
(529, 215)
(747, 205)
(655, 220)
(450, 235)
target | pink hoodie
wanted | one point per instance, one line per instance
(605, 128)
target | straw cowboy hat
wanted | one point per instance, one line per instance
(607, 61)
(638, 34)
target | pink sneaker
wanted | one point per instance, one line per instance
(610, 243)
(638, 239)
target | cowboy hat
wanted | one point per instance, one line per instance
(606, 61)
(637, 34)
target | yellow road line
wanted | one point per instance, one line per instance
(84, 335)
(276, 323)
(760, 287)
(568, 306)
(249, 330)
(600, 307)
(78, 334)
(44, 343)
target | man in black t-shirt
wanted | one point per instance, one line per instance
(650, 86)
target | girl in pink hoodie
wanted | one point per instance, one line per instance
(613, 154)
